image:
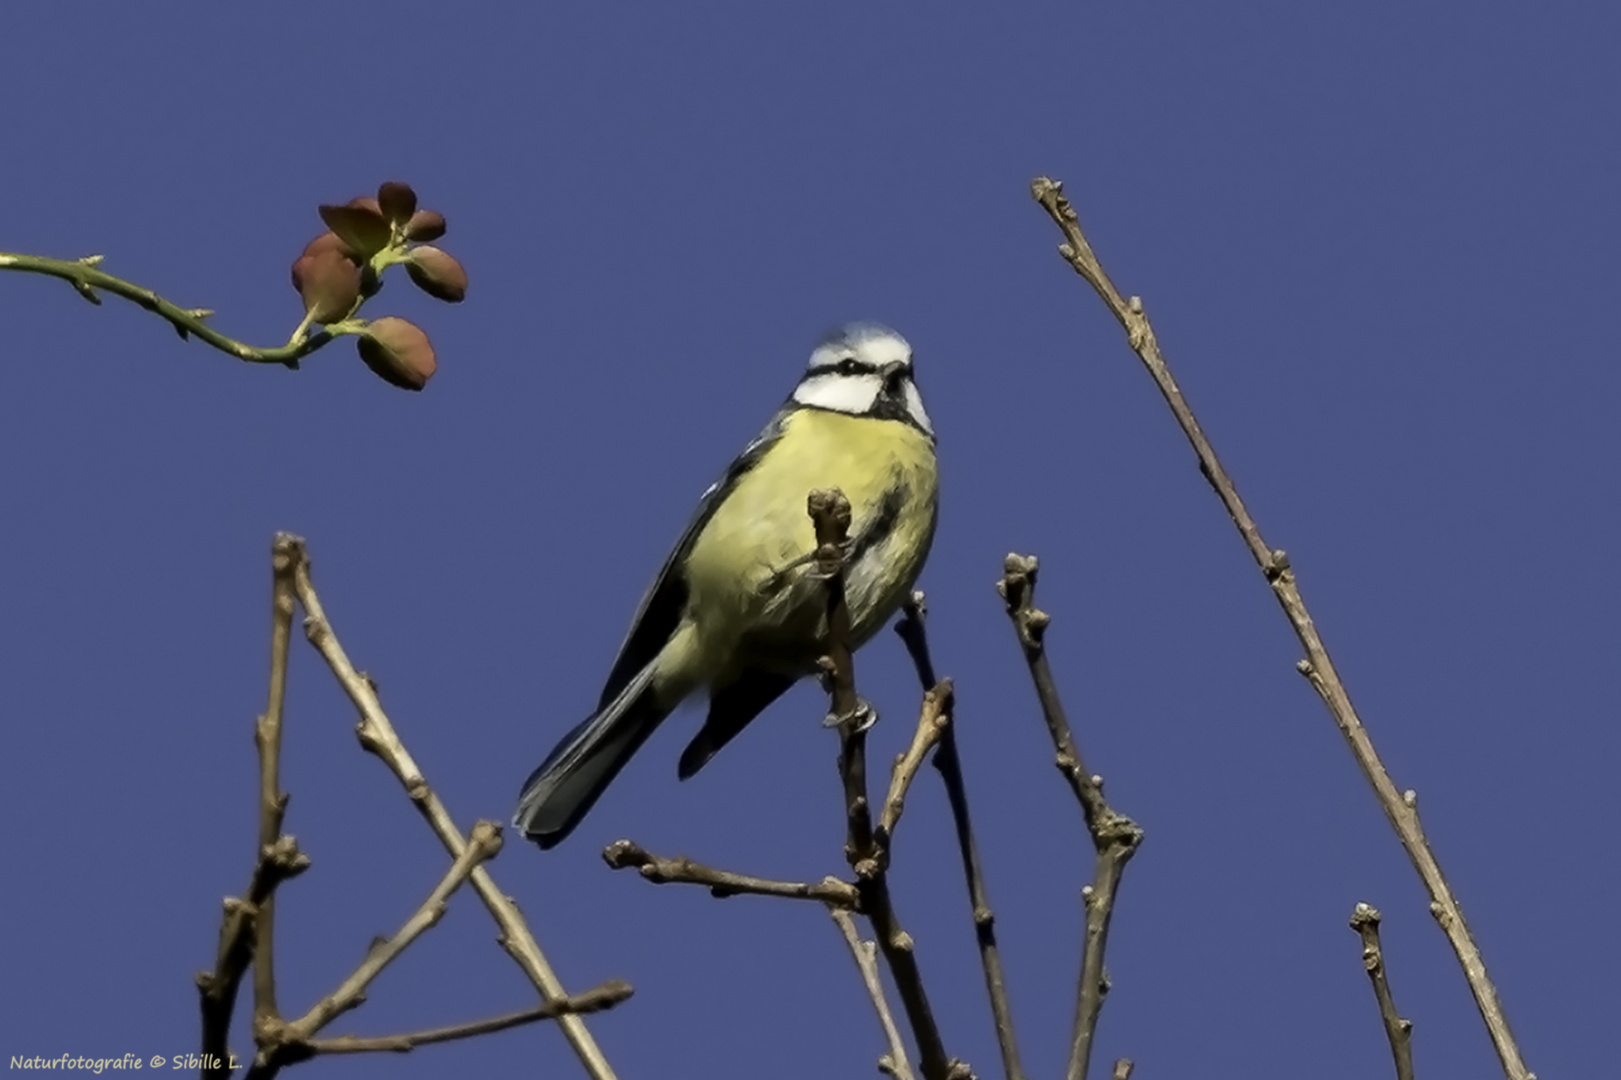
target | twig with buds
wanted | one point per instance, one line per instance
(336, 274)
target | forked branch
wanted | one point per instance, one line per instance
(1114, 836)
(865, 848)
(1400, 808)
(377, 735)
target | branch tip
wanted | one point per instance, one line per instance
(1317, 664)
(1115, 837)
(1398, 1031)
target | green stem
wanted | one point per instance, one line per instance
(85, 278)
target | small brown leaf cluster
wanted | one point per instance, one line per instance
(340, 269)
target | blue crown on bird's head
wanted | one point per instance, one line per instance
(858, 331)
(863, 337)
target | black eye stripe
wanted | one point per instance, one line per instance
(847, 366)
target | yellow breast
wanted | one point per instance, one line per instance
(734, 572)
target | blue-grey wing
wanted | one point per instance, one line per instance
(660, 611)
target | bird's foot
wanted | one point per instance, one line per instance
(773, 582)
(846, 549)
(862, 717)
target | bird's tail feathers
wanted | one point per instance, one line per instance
(558, 794)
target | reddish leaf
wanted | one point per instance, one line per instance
(398, 352)
(425, 225)
(330, 241)
(328, 282)
(397, 201)
(360, 227)
(437, 274)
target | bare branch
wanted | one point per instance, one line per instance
(378, 736)
(865, 952)
(277, 862)
(267, 738)
(1317, 666)
(830, 511)
(597, 999)
(931, 728)
(1365, 921)
(623, 854)
(484, 843)
(1122, 1069)
(912, 631)
(1115, 836)
(278, 857)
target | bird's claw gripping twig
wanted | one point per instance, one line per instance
(861, 718)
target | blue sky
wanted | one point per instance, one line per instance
(1378, 245)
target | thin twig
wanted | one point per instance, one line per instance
(830, 511)
(378, 736)
(217, 989)
(272, 800)
(85, 277)
(596, 999)
(865, 952)
(248, 931)
(483, 844)
(912, 631)
(1317, 666)
(933, 722)
(1122, 1068)
(623, 854)
(1365, 921)
(1115, 836)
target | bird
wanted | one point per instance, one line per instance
(739, 609)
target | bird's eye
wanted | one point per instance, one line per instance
(849, 366)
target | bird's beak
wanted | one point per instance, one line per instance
(893, 373)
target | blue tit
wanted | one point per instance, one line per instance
(737, 609)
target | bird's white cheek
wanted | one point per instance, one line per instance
(914, 406)
(853, 394)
